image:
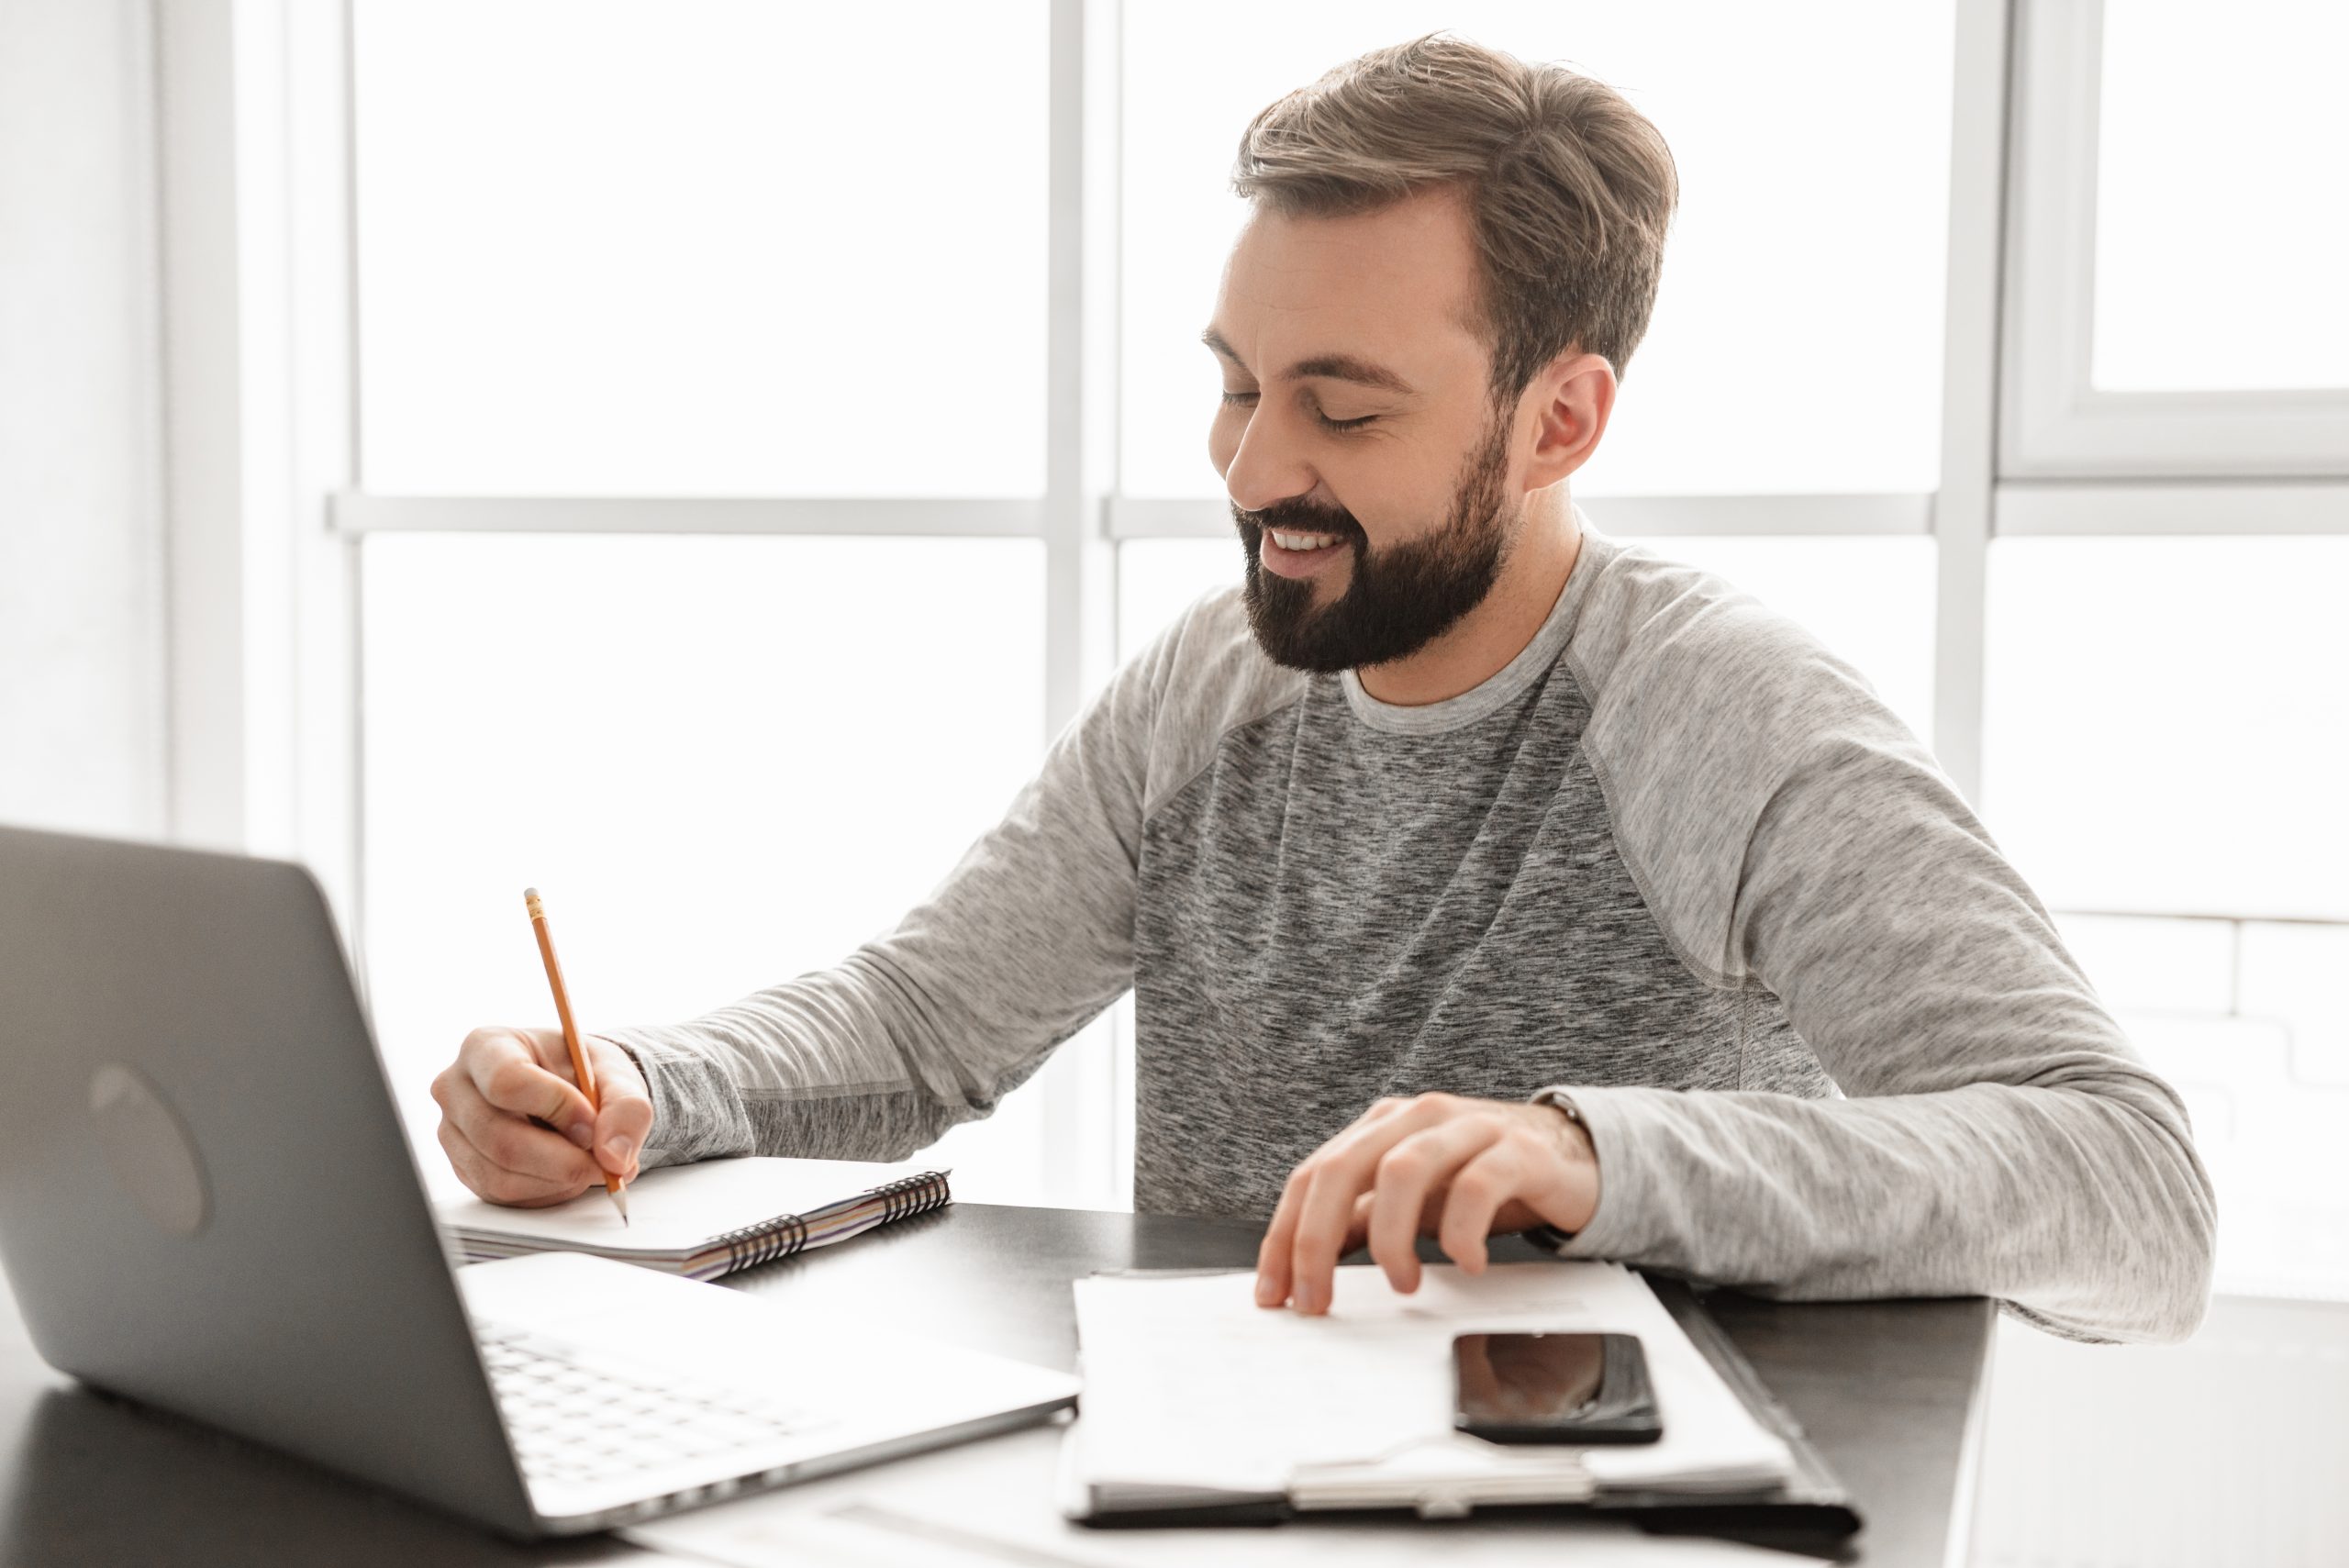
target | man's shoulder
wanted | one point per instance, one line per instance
(1706, 703)
(1699, 684)
(1675, 660)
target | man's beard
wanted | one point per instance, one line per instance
(1399, 599)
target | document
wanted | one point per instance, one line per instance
(1191, 1389)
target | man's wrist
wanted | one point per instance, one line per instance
(1546, 1234)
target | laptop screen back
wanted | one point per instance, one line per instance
(206, 1202)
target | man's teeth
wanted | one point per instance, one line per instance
(1303, 542)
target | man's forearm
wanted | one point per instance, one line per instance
(842, 1064)
(738, 1081)
(2079, 1200)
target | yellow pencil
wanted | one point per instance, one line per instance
(579, 1067)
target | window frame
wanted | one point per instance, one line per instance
(2058, 425)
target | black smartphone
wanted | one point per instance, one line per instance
(1554, 1388)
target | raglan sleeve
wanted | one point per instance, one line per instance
(1997, 1133)
(929, 1025)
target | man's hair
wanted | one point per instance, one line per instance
(1569, 189)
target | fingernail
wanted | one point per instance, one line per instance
(582, 1133)
(618, 1148)
(1267, 1295)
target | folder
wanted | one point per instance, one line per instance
(1742, 1467)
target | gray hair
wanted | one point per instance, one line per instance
(1570, 189)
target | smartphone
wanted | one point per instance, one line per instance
(1554, 1388)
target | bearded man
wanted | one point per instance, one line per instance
(1473, 871)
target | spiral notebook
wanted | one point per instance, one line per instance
(708, 1218)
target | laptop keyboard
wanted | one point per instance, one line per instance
(578, 1424)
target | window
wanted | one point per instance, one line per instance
(2172, 308)
(709, 249)
(2214, 268)
(692, 405)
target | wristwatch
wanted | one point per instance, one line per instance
(1563, 1102)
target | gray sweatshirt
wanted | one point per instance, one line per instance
(1676, 860)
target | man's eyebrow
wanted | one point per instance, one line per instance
(1337, 367)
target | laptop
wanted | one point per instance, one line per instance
(207, 1204)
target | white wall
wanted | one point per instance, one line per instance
(84, 736)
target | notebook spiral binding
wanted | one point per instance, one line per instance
(763, 1244)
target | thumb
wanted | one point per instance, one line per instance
(509, 1079)
(624, 1118)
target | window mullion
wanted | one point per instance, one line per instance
(1081, 429)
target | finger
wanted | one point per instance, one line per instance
(505, 1070)
(1342, 1173)
(515, 1143)
(1358, 1228)
(497, 1184)
(624, 1119)
(1478, 1192)
(1416, 1166)
(511, 1185)
(1273, 1252)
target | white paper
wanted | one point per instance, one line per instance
(680, 1208)
(1188, 1381)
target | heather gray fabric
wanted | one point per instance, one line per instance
(1675, 860)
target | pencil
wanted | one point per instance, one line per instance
(579, 1067)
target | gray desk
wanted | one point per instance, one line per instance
(1888, 1390)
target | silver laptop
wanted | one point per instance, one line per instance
(207, 1204)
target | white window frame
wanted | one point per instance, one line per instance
(2058, 425)
(260, 421)
(269, 506)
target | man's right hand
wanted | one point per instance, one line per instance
(505, 1077)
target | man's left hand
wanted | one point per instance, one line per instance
(1441, 1165)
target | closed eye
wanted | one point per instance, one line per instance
(1241, 399)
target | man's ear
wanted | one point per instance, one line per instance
(1570, 401)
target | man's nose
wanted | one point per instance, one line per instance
(1269, 466)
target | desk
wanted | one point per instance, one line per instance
(1888, 1390)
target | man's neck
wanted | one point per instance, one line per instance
(1485, 639)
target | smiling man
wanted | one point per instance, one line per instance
(1473, 871)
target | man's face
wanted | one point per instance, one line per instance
(1385, 533)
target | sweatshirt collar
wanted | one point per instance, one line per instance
(1505, 683)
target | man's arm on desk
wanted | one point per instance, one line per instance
(2001, 1136)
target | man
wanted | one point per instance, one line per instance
(1473, 873)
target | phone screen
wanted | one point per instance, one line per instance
(1561, 1388)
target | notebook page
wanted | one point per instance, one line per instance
(680, 1209)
